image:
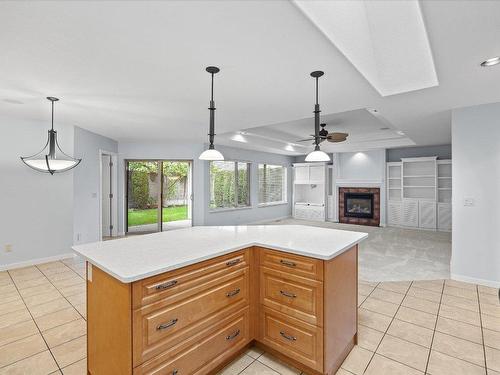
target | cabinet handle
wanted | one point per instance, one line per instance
(288, 337)
(232, 293)
(167, 325)
(288, 294)
(233, 335)
(233, 262)
(175, 372)
(287, 263)
(166, 285)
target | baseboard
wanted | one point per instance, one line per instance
(33, 262)
(467, 279)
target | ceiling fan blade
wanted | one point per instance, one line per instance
(337, 137)
(305, 140)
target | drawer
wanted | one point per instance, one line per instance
(157, 328)
(178, 284)
(207, 349)
(293, 338)
(295, 296)
(292, 264)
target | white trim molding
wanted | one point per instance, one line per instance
(33, 262)
(467, 279)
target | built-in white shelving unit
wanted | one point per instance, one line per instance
(419, 193)
(309, 191)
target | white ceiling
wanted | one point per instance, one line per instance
(135, 70)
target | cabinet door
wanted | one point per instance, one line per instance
(427, 215)
(410, 213)
(301, 174)
(444, 216)
(317, 174)
(394, 213)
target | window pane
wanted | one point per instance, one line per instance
(243, 182)
(272, 183)
(222, 184)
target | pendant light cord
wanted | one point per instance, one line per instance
(212, 90)
(317, 90)
(52, 115)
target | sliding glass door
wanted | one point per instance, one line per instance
(159, 195)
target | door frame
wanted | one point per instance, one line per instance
(160, 212)
(114, 191)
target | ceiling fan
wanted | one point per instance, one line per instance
(334, 137)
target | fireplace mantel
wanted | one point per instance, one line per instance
(373, 221)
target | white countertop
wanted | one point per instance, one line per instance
(138, 257)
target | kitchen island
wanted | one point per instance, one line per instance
(189, 301)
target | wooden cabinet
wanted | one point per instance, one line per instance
(196, 319)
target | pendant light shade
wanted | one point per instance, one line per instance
(51, 159)
(211, 154)
(317, 154)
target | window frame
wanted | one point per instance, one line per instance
(284, 187)
(235, 205)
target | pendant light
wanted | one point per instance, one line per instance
(51, 159)
(317, 154)
(212, 154)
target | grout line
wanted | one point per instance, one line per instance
(434, 331)
(482, 333)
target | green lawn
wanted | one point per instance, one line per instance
(149, 216)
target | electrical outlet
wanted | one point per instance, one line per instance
(8, 248)
(468, 202)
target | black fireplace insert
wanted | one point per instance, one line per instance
(358, 205)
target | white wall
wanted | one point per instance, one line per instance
(37, 208)
(87, 183)
(476, 175)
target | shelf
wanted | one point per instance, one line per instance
(445, 177)
(394, 178)
(421, 175)
(393, 188)
(444, 188)
(414, 186)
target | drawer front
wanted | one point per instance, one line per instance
(292, 264)
(178, 284)
(295, 296)
(157, 330)
(294, 338)
(219, 342)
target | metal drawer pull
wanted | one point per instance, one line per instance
(166, 285)
(232, 293)
(288, 337)
(167, 325)
(287, 263)
(288, 294)
(175, 372)
(233, 262)
(233, 335)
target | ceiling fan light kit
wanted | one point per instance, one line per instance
(51, 159)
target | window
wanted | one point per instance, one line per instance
(272, 184)
(229, 184)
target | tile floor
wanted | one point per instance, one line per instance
(412, 327)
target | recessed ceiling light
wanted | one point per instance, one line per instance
(384, 128)
(491, 62)
(400, 132)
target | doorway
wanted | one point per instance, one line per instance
(159, 195)
(108, 198)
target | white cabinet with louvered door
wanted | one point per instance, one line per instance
(317, 174)
(444, 216)
(394, 213)
(427, 215)
(301, 174)
(410, 213)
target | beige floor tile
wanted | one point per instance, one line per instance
(257, 368)
(70, 281)
(8, 307)
(433, 285)
(442, 364)
(379, 306)
(26, 284)
(78, 299)
(419, 318)
(82, 309)
(456, 313)
(459, 329)
(357, 360)
(70, 352)
(62, 275)
(428, 295)
(42, 298)
(369, 338)
(494, 310)
(459, 348)
(387, 296)
(460, 302)
(373, 320)
(364, 289)
(236, 366)
(38, 364)
(361, 299)
(14, 318)
(491, 322)
(277, 365)
(421, 304)
(489, 298)
(254, 352)
(487, 290)
(385, 366)
(37, 290)
(77, 368)
(411, 332)
(403, 351)
(57, 318)
(5, 289)
(49, 307)
(21, 349)
(395, 286)
(51, 265)
(11, 296)
(73, 289)
(492, 359)
(459, 292)
(64, 333)
(55, 270)
(340, 371)
(491, 338)
(460, 284)
(17, 331)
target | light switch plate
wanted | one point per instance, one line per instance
(468, 202)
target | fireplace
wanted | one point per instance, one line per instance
(359, 206)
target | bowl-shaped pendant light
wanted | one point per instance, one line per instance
(211, 154)
(51, 159)
(317, 154)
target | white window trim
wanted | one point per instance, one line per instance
(281, 203)
(285, 190)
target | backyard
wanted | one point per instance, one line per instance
(149, 216)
